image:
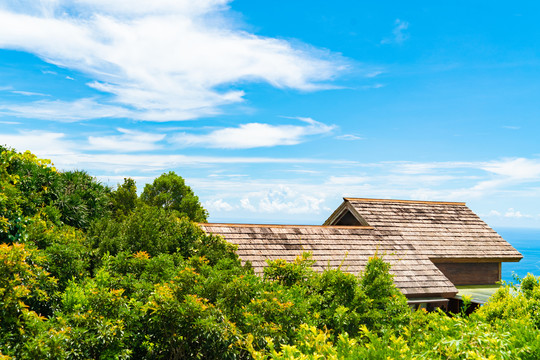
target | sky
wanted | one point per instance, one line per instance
(273, 111)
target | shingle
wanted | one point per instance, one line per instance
(345, 247)
(436, 229)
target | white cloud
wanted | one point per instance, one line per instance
(160, 60)
(282, 200)
(347, 180)
(349, 137)
(67, 154)
(255, 135)
(246, 204)
(65, 111)
(51, 145)
(217, 205)
(515, 169)
(374, 73)
(511, 213)
(28, 93)
(373, 86)
(399, 34)
(129, 141)
(493, 213)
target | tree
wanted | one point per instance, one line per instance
(170, 192)
(124, 199)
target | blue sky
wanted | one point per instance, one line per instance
(273, 111)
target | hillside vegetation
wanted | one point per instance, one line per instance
(88, 272)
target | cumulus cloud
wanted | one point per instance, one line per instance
(218, 205)
(254, 135)
(511, 213)
(158, 60)
(282, 200)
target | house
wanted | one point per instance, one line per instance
(438, 250)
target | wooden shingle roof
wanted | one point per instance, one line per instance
(348, 247)
(442, 231)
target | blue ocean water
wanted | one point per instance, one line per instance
(527, 242)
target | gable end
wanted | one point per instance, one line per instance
(346, 215)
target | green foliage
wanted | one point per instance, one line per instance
(170, 192)
(124, 198)
(30, 186)
(80, 199)
(289, 274)
(90, 273)
(187, 327)
(98, 317)
(156, 231)
(66, 250)
(25, 291)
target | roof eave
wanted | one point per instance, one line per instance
(436, 259)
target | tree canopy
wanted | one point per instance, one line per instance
(170, 192)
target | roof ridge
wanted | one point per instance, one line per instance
(289, 226)
(408, 201)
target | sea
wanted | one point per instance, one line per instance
(527, 242)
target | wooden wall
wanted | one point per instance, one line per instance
(485, 273)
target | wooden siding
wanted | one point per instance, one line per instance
(471, 273)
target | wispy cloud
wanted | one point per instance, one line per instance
(65, 111)
(161, 60)
(28, 93)
(399, 33)
(52, 145)
(373, 86)
(255, 135)
(69, 154)
(129, 141)
(516, 169)
(374, 73)
(349, 137)
(348, 180)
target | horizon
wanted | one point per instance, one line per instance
(272, 112)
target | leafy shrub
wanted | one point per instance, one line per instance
(25, 291)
